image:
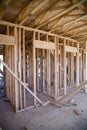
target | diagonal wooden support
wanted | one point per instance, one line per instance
(74, 90)
(21, 82)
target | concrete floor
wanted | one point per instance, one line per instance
(46, 118)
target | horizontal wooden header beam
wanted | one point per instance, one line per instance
(70, 49)
(7, 40)
(34, 29)
(44, 45)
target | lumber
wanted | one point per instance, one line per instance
(70, 49)
(21, 82)
(24, 70)
(44, 44)
(55, 71)
(66, 74)
(48, 71)
(16, 70)
(73, 91)
(64, 58)
(34, 67)
(7, 40)
(86, 65)
(33, 29)
(62, 13)
(77, 65)
(43, 70)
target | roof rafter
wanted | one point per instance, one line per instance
(3, 5)
(25, 12)
(71, 23)
(62, 13)
(44, 10)
(75, 28)
(78, 35)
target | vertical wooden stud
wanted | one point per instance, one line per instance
(77, 65)
(86, 65)
(34, 68)
(64, 67)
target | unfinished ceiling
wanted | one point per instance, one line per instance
(64, 17)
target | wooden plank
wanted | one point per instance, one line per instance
(32, 29)
(61, 13)
(3, 6)
(70, 49)
(43, 70)
(24, 70)
(86, 65)
(19, 67)
(56, 74)
(34, 68)
(77, 65)
(64, 56)
(37, 71)
(44, 45)
(73, 91)
(72, 68)
(21, 82)
(16, 71)
(48, 71)
(7, 40)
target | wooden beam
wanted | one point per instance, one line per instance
(64, 60)
(76, 35)
(73, 91)
(23, 84)
(44, 11)
(34, 11)
(72, 67)
(44, 45)
(70, 49)
(24, 14)
(3, 5)
(75, 20)
(75, 28)
(16, 71)
(71, 23)
(56, 69)
(7, 40)
(62, 13)
(20, 68)
(34, 67)
(33, 29)
(77, 65)
(86, 65)
(24, 69)
(48, 72)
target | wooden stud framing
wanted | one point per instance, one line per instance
(47, 45)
